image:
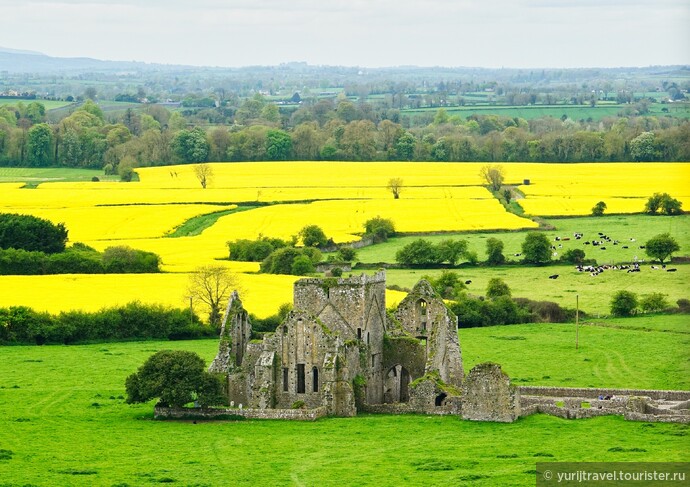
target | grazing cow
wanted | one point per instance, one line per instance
(554, 276)
(641, 246)
(468, 282)
(603, 248)
(671, 270)
(625, 246)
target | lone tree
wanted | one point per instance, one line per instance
(212, 286)
(395, 186)
(204, 173)
(536, 248)
(175, 377)
(598, 209)
(661, 246)
(494, 175)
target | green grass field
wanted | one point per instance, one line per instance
(47, 174)
(532, 282)
(617, 227)
(48, 104)
(574, 112)
(545, 354)
(63, 421)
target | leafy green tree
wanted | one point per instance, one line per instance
(347, 254)
(598, 209)
(380, 228)
(313, 236)
(404, 146)
(494, 251)
(301, 266)
(451, 250)
(663, 203)
(653, 302)
(644, 147)
(419, 252)
(191, 145)
(175, 377)
(31, 233)
(623, 303)
(497, 287)
(536, 248)
(448, 285)
(40, 145)
(278, 145)
(661, 247)
(573, 256)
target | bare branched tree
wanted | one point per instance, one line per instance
(395, 186)
(204, 173)
(212, 286)
(493, 175)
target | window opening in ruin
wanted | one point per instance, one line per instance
(440, 398)
(367, 338)
(359, 333)
(285, 379)
(315, 379)
(285, 330)
(422, 314)
(373, 360)
(300, 379)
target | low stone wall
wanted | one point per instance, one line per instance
(596, 392)
(213, 413)
(451, 406)
(657, 418)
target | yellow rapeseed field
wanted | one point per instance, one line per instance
(262, 294)
(338, 196)
(573, 189)
(121, 222)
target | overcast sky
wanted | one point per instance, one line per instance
(368, 33)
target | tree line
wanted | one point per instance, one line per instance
(327, 129)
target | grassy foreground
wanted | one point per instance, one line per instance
(63, 421)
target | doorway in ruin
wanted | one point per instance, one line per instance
(397, 385)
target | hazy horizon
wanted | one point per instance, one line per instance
(524, 34)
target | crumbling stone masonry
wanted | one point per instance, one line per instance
(338, 350)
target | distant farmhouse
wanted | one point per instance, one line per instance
(339, 353)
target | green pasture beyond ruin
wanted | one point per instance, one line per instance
(64, 421)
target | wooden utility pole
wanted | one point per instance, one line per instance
(577, 321)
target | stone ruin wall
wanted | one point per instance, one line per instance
(632, 404)
(160, 412)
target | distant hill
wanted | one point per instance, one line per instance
(19, 61)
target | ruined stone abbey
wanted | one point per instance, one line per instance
(339, 352)
(338, 349)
